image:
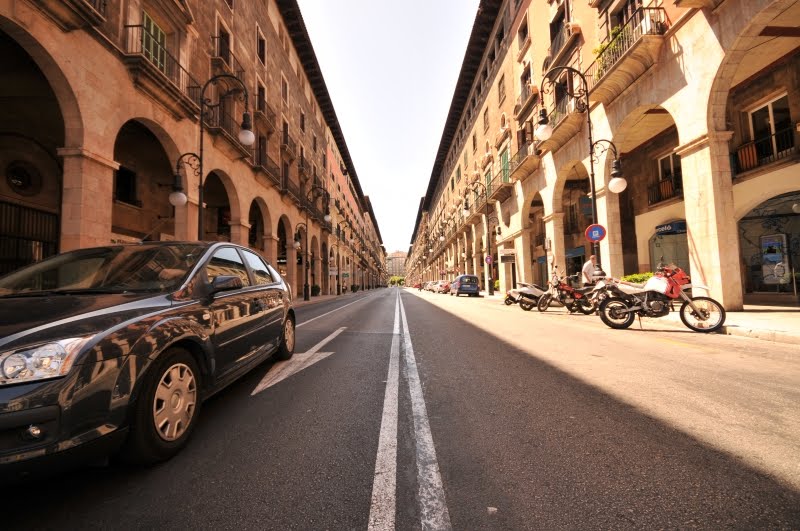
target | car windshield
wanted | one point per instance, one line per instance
(111, 269)
(469, 280)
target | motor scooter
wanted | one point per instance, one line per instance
(525, 294)
(573, 299)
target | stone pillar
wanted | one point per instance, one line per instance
(611, 256)
(291, 270)
(240, 232)
(554, 231)
(87, 199)
(522, 245)
(712, 231)
(270, 244)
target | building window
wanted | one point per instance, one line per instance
(224, 45)
(303, 121)
(522, 34)
(154, 43)
(466, 160)
(669, 169)
(284, 90)
(314, 143)
(501, 89)
(458, 174)
(125, 186)
(261, 47)
(474, 143)
(261, 98)
(485, 120)
(771, 129)
(230, 3)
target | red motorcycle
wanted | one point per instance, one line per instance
(573, 299)
(654, 299)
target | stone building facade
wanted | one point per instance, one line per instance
(103, 104)
(396, 264)
(697, 99)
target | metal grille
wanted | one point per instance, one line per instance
(27, 235)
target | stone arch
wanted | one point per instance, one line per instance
(73, 130)
(260, 224)
(219, 191)
(737, 41)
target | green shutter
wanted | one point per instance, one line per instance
(154, 43)
(505, 166)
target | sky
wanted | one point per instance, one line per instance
(391, 69)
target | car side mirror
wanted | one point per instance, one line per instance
(225, 283)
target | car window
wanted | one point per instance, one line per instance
(260, 269)
(226, 261)
(469, 280)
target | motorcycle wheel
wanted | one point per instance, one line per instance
(586, 306)
(526, 305)
(544, 302)
(711, 320)
(509, 301)
(614, 313)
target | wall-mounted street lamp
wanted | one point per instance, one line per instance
(313, 193)
(489, 216)
(544, 131)
(195, 161)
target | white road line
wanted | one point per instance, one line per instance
(283, 369)
(330, 312)
(433, 506)
(382, 510)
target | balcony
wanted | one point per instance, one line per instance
(525, 161)
(501, 136)
(697, 3)
(633, 49)
(220, 123)
(74, 14)
(764, 151)
(562, 42)
(294, 191)
(303, 168)
(264, 164)
(567, 120)
(664, 190)
(501, 187)
(525, 102)
(486, 159)
(223, 61)
(265, 116)
(159, 75)
(288, 147)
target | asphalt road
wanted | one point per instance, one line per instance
(445, 412)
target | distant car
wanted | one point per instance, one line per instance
(443, 286)
(116, 347)
(431, 285)
(467, 284)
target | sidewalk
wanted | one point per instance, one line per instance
(780, 324)
(298, 300)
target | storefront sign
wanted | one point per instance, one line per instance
(673, 227)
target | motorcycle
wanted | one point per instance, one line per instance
(573, 299)
(654, 299)
(526, 295)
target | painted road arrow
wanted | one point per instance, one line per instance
(283, 369)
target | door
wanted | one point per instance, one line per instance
(235, 315)
(270, 296)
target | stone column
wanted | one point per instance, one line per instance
(611, 256)
(270, 248)
(291, 270)
(712, 231)
(554, 231)
(240, 232)
(87, 199)
(522, 245)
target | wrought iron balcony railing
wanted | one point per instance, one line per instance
(664, 189)
(765, 150)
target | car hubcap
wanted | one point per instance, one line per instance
(288, 335)
(174, 402)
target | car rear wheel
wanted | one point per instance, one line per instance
(286, 350)
(167, 409)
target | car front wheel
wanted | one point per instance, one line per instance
(167, 409)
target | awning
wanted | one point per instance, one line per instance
(577, 251)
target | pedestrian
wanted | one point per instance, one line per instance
(588, 271)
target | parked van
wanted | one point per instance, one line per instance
(467, 284)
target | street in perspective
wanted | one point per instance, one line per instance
(506, 265)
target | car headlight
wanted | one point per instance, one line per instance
(40, 362)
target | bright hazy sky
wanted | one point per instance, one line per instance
(391, 70)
